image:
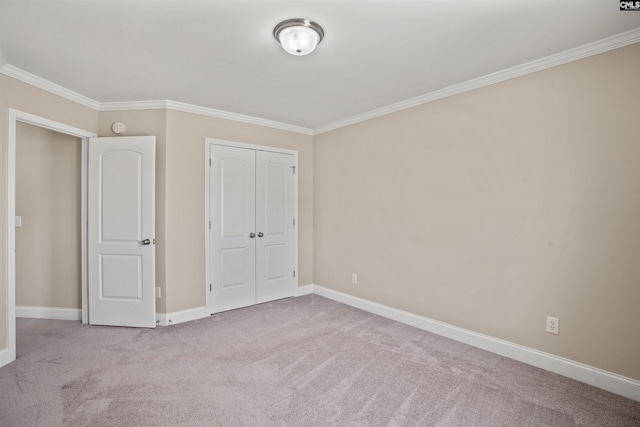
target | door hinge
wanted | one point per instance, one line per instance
(209, 225)
(294, 273)
(294, 222)
(210, 289)
(209, 161)
(294, 169)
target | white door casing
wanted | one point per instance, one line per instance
(251, 232)
(121, 211)
(16, 116)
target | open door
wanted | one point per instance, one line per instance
(121, 252)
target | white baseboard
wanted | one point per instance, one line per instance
(605, 380)
(181, 316)
(49, 313)
(4, 357)
(201, 312)
(304, 290)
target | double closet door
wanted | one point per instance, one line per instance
(252, 218)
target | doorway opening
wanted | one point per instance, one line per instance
(48, 227)
(16, 117)
(48, 224)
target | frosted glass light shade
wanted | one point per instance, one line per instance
(299, 41)
(298, 37)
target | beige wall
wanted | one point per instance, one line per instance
(492, 209)
(185, 189)
(48, 196)
(180, 192)
(26, 98)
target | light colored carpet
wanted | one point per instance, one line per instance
(304, 361)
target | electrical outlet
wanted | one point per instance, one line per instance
(553, 325)
(158, 292)
(354, 279)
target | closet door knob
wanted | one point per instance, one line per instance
(252, 235)
(260, 234)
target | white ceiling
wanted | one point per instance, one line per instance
(222, 54)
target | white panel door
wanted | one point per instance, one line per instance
(252, 208)
(275, 212)
(232, 215)
(121, 231)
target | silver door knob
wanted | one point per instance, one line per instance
(146, 242)
(252, 235)
(260, 234)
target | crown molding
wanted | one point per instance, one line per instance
(210, 112)
(188, 108)
(39, 82)
(600, 46)
(133, 105)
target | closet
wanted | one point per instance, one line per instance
(252, 212)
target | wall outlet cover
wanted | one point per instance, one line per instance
(553, 325)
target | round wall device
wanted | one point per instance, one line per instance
(118, 128)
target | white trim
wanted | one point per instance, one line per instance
(304, 290)
(181, 316)
(5, 357)
(14, 117)
(84, 215)
(39, 82)
(207, 234)
(296, 218)
(160, 104)
(204, 111)
(609, 381)
(600, 46)
(208, 142)
(252, 147)
(188, 108)
(49, 313)
(11, 237)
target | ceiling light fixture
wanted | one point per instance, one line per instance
(298, 36)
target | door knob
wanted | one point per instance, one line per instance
(260, 234)
(146, 242)
(252, 235)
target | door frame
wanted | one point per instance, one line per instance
(16, 116)
(208, 142)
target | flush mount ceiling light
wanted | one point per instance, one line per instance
(298, 36)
